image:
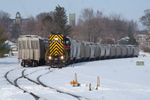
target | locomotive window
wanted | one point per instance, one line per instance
(67, 42)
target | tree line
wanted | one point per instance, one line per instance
(97, 27)
(46, 23)
(43, 24)
(145, 20)
(92, 26)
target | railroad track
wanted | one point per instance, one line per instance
(14, 83)
(37, 82)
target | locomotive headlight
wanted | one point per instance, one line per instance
(62, 57)
(50, 57)
(56, 39)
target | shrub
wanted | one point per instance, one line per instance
(146, 49)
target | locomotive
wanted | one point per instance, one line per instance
(58, 50)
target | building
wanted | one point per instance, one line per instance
(13, 48)
(18, 18)
(13, 43)
(143, 40)
(72, 19)
(19, 23)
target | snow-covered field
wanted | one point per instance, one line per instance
(120, 79)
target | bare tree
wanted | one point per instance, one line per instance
(43, 24)
(145, 20)
(95, 27)
(87, 14)
(86, 17)
(28, 26)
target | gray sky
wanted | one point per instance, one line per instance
(128, 9)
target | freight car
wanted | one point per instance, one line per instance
(31, 50)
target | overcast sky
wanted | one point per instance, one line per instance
(128, 9)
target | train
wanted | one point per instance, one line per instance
(59, 51)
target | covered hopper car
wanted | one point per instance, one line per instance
(31, 50)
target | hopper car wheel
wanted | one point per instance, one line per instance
(23, 64)
(34, 64)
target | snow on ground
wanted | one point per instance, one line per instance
(120, 79)
(8, 91)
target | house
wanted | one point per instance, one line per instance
(13, 48)
(143, 40)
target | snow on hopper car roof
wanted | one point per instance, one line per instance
(31, 36)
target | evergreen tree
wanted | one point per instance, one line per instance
(131, 30)
(132, 41)
(60, 19)
(145, 20)
(3, 49)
